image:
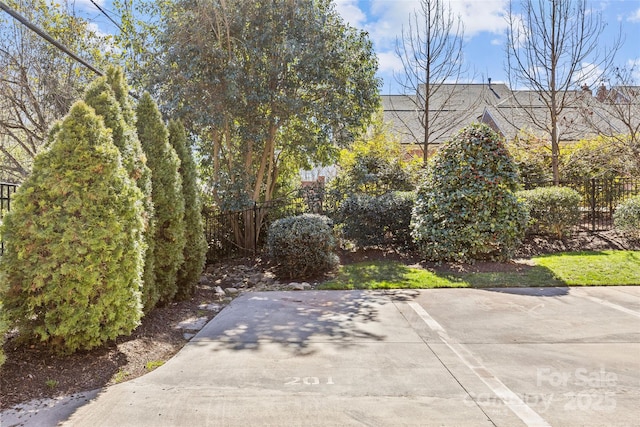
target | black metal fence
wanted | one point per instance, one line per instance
(243, 232)
(6, 191)
(600, 197)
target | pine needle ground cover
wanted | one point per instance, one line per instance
(601, 268)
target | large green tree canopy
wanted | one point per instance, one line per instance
(264, 81)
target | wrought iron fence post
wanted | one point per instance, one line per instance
(255, 228)
(593, 204)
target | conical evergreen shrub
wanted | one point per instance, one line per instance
(195, 249)
(466, 207)
(73, 259)
(167, 197)
(101, 96)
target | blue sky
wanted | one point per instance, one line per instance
(485, 40)
(485, 25)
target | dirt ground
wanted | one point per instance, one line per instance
(32, 372)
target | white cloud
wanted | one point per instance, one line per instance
(589, 74)
(388, 62)
(481, 16)
(635, 16)
(87, 4)
(385, 19)
(351, 13)
(634, 66)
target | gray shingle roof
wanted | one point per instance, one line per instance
(453, 106)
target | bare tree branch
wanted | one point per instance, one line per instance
(430, 50)
(549, 44)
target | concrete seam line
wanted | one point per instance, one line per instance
(504, 393)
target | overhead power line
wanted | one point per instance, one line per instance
(47, 37)
(106, 14)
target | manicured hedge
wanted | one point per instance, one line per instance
(552, 211)
(302, 246)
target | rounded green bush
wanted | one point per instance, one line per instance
(377, 220)
(552, 210)
(466, 208)
(302, 246)
(73, 257)
(627, 216)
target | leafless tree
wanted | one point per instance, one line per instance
(38, 83)
(614, 112)
(431, 53)
(549, 43)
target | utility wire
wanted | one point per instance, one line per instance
(106, 14)
(47, 37)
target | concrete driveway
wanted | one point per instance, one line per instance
(442, 357)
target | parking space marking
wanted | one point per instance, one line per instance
(609, 304)
(505, 394)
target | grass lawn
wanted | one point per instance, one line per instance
(594, 268)
(602, 268)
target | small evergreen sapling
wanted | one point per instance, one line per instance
(73, 260)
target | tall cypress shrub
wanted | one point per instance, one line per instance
(102, 97)
(167, 197)
(73, 258)
(195, 249)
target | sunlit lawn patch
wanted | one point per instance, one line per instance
(603, 268)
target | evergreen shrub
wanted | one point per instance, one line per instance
(627, 216)
(302, 246)
(466, 208)
(378, 220)
(552, 211)
(168, 200)
(73, 257)
(195, 249)
(101, 96)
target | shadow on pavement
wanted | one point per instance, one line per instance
(297, 319)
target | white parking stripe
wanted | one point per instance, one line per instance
(609, 304)
(509, 398)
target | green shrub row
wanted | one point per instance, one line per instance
(89, 247)
(377, 220)
(553, 211)
(627, 216)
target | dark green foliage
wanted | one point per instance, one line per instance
(552, 210)
(73, 259)
(378, 220)
(627, 216)
(466, 208)
(195, 249)
(167, 197)
(3, 325)
(101, 95)
(302, 246)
